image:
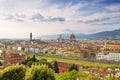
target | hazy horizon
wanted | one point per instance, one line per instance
(47, 17)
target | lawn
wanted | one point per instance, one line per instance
(75, 61)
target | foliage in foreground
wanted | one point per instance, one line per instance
(36, 72)
(42, 72)
(39, 73)
(72, 75)
(13, 73)
(29, 61)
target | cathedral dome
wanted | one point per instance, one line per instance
(72, 37)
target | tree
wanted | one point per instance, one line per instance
(28, 58)
(45, 60)
(56, 67)
(1, 63)
(72, 75)
(34, 59)
(83, 75)
(15, 72)
(1, 57)
(91, 77)
(39, 73)
(108, 78)
(30, 63)
(53, 52)
(73, 67)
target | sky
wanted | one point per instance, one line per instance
(46, 17)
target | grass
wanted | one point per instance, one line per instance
(75, 61)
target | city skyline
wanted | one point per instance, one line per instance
(46, 17)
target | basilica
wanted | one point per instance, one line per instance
(72, 38)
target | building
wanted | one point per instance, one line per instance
(60, 39)
(64, 67)
(1, 52)
(108, 57)
(72, 37)
(114, 56)
(13, 58)
(102, 72)
(102, 56)
(111, 46)
(30, 36)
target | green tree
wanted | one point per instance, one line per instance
(39, 73)
(73, 67)
(28, 58)
(56, 67)
(15, 72)
(53, 52)
(91, 77)
(34, 59)
(30, 63)
(45, 60)
(0, 63)
(1, 57)
(83, 75)
(39, 62)
(72, 75)
(108, 78)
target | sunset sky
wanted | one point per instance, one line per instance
(45, 17)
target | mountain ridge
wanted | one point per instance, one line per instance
(114, 34)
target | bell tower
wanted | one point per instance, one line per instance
(30, 36)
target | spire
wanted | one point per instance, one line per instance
(30, 36)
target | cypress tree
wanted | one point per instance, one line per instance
(34, 59)
(73, 67)
(56, 67)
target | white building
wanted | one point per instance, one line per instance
(114, 56)
(109, 57)
(102, 56)
(33, 50)
(19, 48)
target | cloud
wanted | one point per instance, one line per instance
(101, 18)
(109, 23)
(108, 2)
(102, 21)
(95, 20)
(9, 17)
(39, 17)
(114, 7)
(19, 20)
(18, 17)
(54, 19)
(69, 30)
(84, 16)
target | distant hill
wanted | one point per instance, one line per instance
(115, 34)
(66, 36)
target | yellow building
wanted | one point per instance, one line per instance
(112, 46)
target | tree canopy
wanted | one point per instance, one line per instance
(15, 72)
(72, 75)
(39, 73)
(73, 67)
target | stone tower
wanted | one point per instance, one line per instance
(30, 36)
